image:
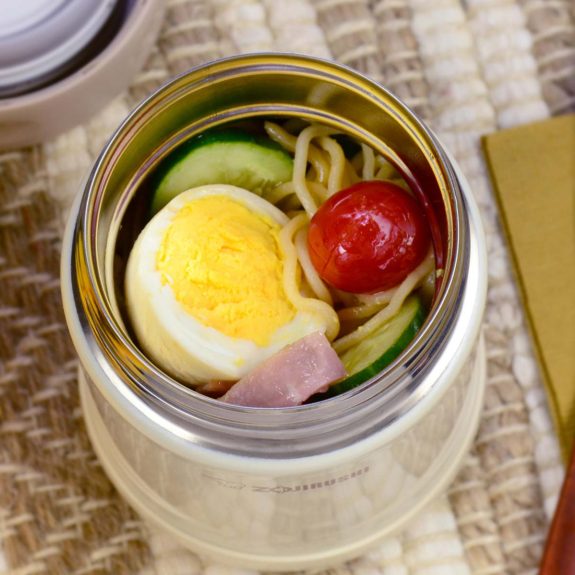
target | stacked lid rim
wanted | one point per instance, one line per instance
(40, 38)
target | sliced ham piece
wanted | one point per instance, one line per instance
(291, 376)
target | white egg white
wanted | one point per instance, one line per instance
(177, 342)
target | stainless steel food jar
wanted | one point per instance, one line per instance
(277, 488)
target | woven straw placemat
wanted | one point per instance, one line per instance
(468, 67)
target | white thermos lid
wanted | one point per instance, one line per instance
(42, 39)
(63, 60)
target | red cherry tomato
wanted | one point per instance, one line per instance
(368, 237)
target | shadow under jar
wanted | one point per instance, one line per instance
(297, 487)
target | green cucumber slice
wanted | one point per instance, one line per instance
(372, 354)
(223, 157)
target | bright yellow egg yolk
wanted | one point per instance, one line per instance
(224, 266)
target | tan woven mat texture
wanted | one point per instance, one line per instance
(469, 67)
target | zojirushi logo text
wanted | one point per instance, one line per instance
(280, 489)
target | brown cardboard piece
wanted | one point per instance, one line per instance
(533, 172)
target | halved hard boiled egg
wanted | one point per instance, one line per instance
(204, 286)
